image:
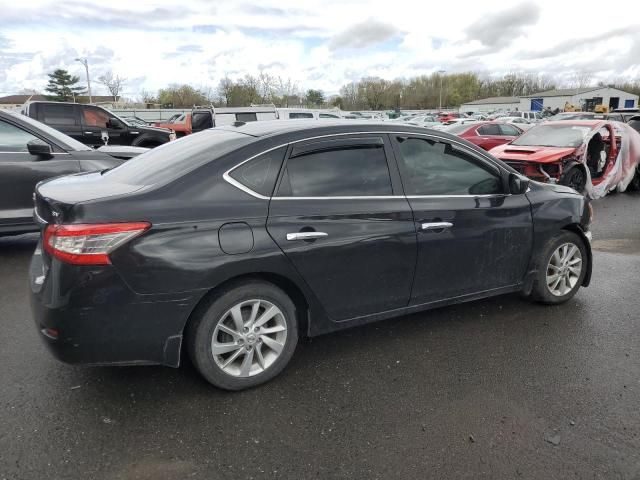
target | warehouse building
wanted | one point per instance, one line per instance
(491, 105)
(584, 99)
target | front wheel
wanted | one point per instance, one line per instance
(561, 268)
(575, 178)
(244, 336)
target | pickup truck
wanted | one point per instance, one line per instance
(201, 118)
(95, 126)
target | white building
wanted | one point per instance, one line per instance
(491, 105)
(581, 98)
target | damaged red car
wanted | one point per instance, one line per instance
(590, 156)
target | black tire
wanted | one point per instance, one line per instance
(634, 185)
(575, 178)
(541, 292)
(202, 327)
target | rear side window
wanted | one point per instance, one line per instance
(339, 171)
(260, 174)
(199, 120)
(490, 129)
(174, 159)
(246, 117)
(300, 115)
(328, 115)
(437, 168)
(58, 114)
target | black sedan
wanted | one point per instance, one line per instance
(31, 151)
(235, 241)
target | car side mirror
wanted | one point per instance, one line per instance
(115, 124)
(518, 184)
(40, 149)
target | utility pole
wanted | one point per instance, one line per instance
(85, 62)
(441, 72)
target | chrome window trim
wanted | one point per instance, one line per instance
(52, 153)
(226, 175)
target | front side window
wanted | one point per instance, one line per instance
(13, 139)
(58, 114)
(339, 171)
(328, 115)
(438, 168)
(260, 174)
(95, 117)
(509, 130)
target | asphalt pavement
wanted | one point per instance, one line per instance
(494, 389)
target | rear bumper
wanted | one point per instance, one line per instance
(99, 320)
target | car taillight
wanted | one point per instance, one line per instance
(89, 244)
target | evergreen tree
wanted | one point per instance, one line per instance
(62, 86)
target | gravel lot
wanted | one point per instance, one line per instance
(493, 389)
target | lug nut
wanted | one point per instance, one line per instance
(256, 329)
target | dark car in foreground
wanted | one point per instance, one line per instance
(233, 242)
(95, 126)
(30, 152)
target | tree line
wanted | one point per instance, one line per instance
(369, 93)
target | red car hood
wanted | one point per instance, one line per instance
(531, 154)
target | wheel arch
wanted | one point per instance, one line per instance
(577, 229)
(287, 285)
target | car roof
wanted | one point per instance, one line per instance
(267, 128)
(578, 123)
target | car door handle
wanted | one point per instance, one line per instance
(88, 133)
(306, 235)
(436, 225)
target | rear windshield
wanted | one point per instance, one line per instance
(457, 128)
(171, 160)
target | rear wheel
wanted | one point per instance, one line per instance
(244, 336)
(575, 178)
(561, 268)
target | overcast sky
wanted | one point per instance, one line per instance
(318, 43)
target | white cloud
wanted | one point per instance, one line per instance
(158, 42)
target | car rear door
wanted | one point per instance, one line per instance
(20, 171)
(473, 236)
(340, 217)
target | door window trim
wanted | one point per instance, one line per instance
(485, 161)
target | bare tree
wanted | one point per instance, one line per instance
(287, 90)
(146, 96)
(582, 79)
(114, 83)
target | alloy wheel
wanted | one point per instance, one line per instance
(249, 338)
(563, 269)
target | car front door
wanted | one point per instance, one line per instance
(509, 133)
(20, 171)
(97, 125)
(340, 217)
(490, 136)
(473, 236)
